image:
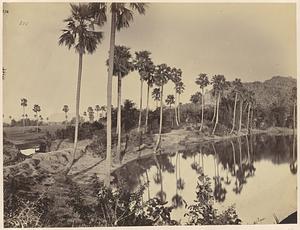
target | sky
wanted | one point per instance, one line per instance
(251, 41)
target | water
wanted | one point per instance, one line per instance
(257, 174)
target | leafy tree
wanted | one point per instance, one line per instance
(179, 90)
(78, 34)
(90, 111)
(97, 109)
(170, 100)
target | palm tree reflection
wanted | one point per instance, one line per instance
(293, 164)
(177, 199)
(219, 191)
(158, 179)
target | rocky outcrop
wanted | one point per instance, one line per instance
(11, 154)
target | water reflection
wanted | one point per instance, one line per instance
(240, 169)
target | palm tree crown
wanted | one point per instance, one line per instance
(78, 32)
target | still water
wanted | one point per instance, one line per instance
(257, 174)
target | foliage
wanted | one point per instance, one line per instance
(203, 212)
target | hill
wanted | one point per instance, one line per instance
(276, 90)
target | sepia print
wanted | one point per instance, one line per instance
(149, 114)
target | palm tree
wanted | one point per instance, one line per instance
(90, 112)
(78, 34)
(176, 75)
(123, 65)
(121, 16)
(202, 81)
(150, 82)
(23, 104)
(156, 95)
(219, 85)
(66, 110)
(237, 85)
(162, 76)
(170, 100)
(242, 95)
(97, 109)
(195, 98)
(179, 90)
(143, 65)
(36, 109)
(250, 101)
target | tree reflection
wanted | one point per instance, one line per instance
(158, 178)
(177, 199)
(293, 164)
(249, 166)
(219, 191)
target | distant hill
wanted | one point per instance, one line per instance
(276, 90)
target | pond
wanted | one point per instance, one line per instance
(255, 173)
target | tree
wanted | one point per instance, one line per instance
(123, 65)
(242, 95)
(202, 81)
(103, 110)
(66, 110)
(294, 100)
(84, 114)
(121, 16)
(176, 79)
(143, 65)
(90, 112)
(78, 34)
(23, 104)
(237, 85)
(156, 95)
(97, 109)
(219, 85)
(162, 76)
(250, 101)
(179, 90)
(36, 109)
(170, 100)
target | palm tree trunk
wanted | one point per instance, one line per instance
(161, 116)
(119, 124)
(171, 118)
(147, 108)
(234, 111)
(233, 153)
(178, 109)
(109, 96)
(23, 120)
(76, 111)
(251, 120)
(37, 122)
(241, 116)
(217, 114)
(248, 118)
(175, 109)
(141, 105)
(215, 108)
(156, 101)
(202, 109)
(294, 118)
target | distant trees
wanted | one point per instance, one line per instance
(202, 81)
(78, 34)
(90, 112)
(97, 109)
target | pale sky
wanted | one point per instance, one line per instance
(250, 41)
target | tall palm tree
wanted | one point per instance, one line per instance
(97, 109)
(294, 101)
(78, 34)
(121, 16)
(170, 100)
(242, 95)
(150, 82)
(162, 76)
(23, 104)
(237, 85)
(143, 65)
(66, 110)
(179, 90)
(202, 81)
(36, 109)
(219, 85)
(250, 101)
(123, 65)
(156, 95)
(176, 78)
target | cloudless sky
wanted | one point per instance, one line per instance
(240, 40)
